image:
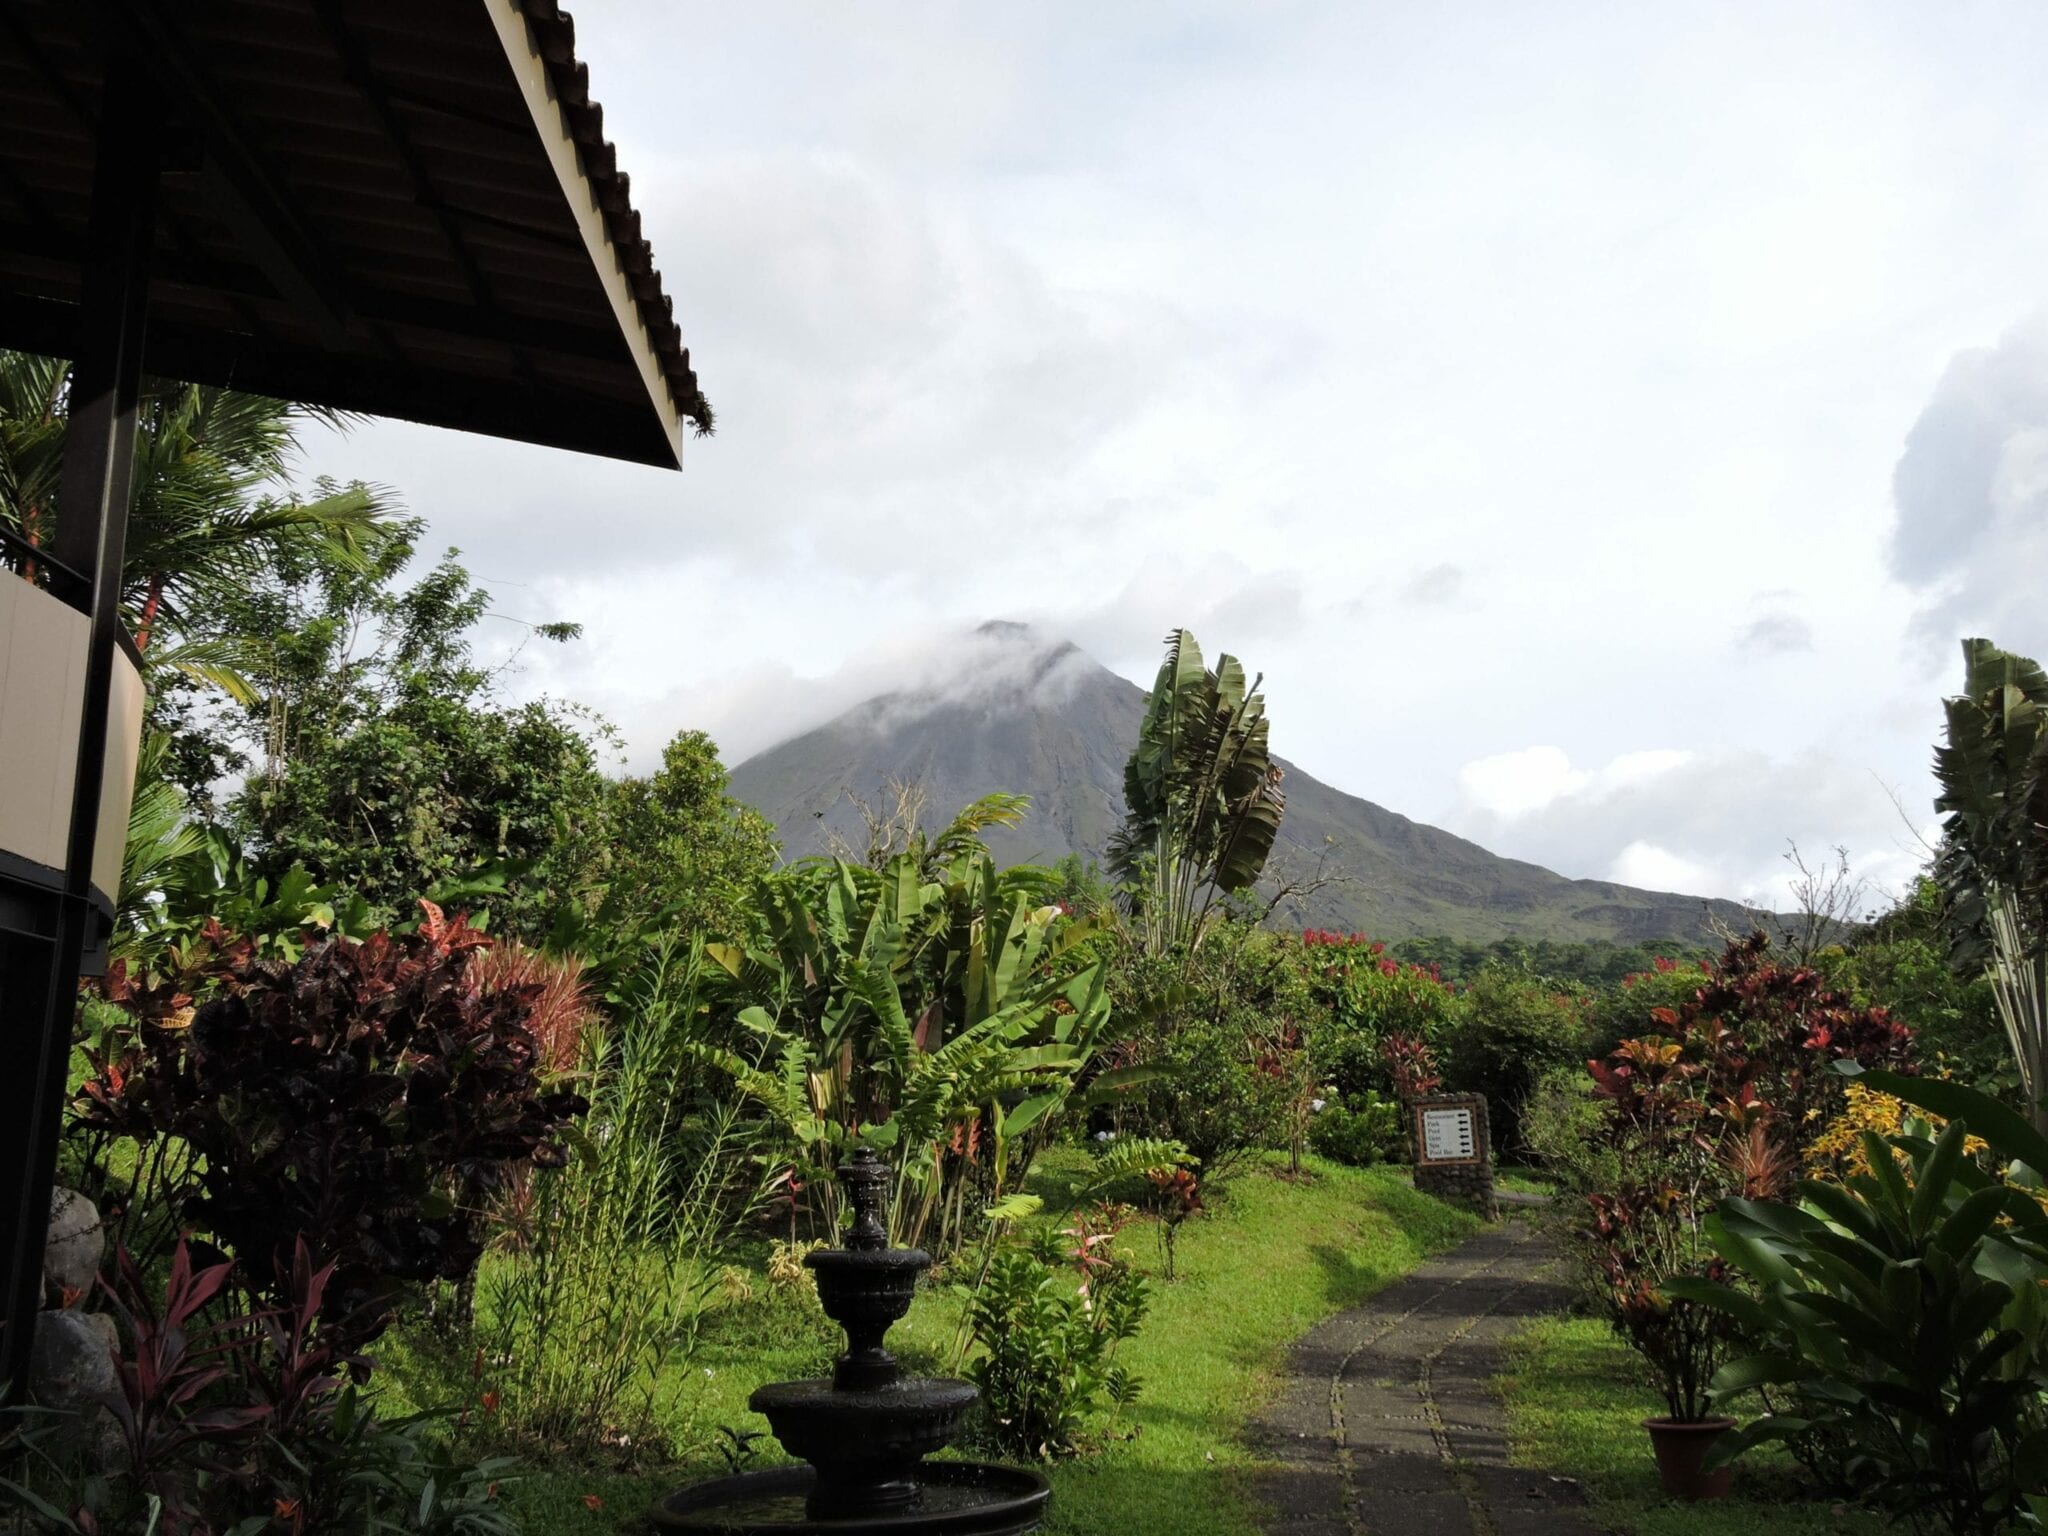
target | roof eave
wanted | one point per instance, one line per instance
(551, 126)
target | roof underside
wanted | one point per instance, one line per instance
(401, 207)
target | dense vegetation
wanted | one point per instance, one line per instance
(461, 1109)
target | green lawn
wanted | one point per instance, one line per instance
(1576, 1400)
(1520, 1180)
(1271, 1258)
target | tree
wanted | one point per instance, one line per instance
(1202, 797)
(1993, 862)
(1900, 962)
(1507, 1030)
(387, 763)
(211, 512)
(683, 849)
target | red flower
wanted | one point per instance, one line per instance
(592, 1501)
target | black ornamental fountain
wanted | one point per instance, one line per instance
(866, 1431)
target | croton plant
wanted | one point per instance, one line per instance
(1718, 1098)
(370, 1098)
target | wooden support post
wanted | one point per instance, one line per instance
(40, 989)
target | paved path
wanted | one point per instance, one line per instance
(1387, 1424)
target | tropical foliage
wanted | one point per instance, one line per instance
(1717, 1102)
(1202, 799)
(1993, 864)
(1901, 1317)
(540, 1171)
(210, 514)
(936, 1006)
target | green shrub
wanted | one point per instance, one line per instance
(1362, 1133)
(1508, 1031)
(1220, 1036)
(1563, 1125)
(1366, 995)
(1626, 1011)
(1900, 962)
(1048, 1349)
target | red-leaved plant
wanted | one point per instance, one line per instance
(177, 1429)
(1411, 1066)
(369, 1099)
(1719, 1099)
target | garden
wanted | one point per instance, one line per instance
(453, 1122)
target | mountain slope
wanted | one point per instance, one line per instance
(1047, 721)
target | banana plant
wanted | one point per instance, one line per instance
(944, 1010)
(1201, 794)
(1901, 1316)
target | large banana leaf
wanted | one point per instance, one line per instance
(1202, 795)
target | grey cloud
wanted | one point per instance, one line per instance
(1729, 812)
(897, 388)
(754, 709)
(1970, 493)
(1436, 586)
(1226, 609)
(1775, 634)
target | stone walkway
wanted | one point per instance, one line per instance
(1388, 1425)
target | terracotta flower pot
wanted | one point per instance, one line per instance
(1681, 1448)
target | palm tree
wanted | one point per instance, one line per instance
(211, 509)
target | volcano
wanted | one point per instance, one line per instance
(1042, 718)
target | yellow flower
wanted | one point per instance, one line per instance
(1837, 1152)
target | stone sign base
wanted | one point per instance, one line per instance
(1452, 1156)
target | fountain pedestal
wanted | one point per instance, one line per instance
(866, 1430)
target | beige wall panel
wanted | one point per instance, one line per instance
(117, 781)
(42, 682)
(42, 693)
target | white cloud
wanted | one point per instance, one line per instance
(1711, 823)
(1516, 783)
(1971, 491)
(1651, 868)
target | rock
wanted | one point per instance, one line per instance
(70, 1361)
(71, 1257)
(70, 1368)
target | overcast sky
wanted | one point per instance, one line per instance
(1598, 422)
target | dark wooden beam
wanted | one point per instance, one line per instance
(250, 199)
(226, 279)
(90, 537)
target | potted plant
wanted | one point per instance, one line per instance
(1716, 1103)
(1647, 1240)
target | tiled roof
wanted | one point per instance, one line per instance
(401, 207)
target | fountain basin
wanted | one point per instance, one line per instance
(954, 1498)
(866, 1446)
(866, 1431)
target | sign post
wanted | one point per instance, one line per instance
(1451, 1157)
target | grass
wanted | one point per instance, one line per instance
(1271, 1258)
(1576, 1399)
(1516, 1179)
